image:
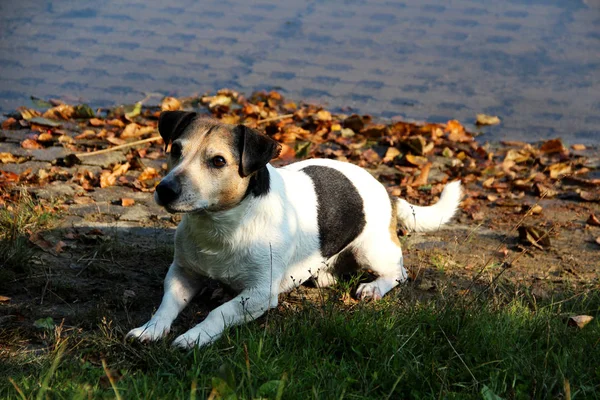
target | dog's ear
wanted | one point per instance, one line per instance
(172, 123)
(256, 149)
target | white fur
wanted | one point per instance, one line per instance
(270, 244)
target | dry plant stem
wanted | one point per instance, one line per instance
(111, 380)
(284, 116)
(119, 147)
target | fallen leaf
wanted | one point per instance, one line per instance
(390, 154)
(61, 111)
(419, 161)
(484, 119)
(579, 320)
(127, 202)
(354, 122)
(31, 144)
(6, 158)
(552, 146)
(324, 115)
(423, 176)
(4, 299)
(558, 170)
(593, 220)
(96, 122)
(578, 147)
(375, 130)
(148, 173)
(532, 236)
(10, 123)
(170, 104)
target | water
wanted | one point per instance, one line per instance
(536, 64)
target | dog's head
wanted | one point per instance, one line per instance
(212, 166)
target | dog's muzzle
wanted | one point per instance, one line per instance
(167, 191)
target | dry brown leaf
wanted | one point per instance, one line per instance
(593, 220)
(6, 158)
(116, 122)
(170, 104)
(127, 202)
(324, 115)
(45, 137)
(553, 146)
(96, 122)
(148, 173)
(31, 144)
(4, 299)
(532, 236)
(484, 119)
(375, 130)
(371, 156)
(559, 169)
(419, 161)
(130, 131)
(580, 321)
(61, 111)
(10, 123)
(390, 154)
(423, 176)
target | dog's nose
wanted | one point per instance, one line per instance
(167, 191)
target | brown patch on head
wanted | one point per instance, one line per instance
(394, 223)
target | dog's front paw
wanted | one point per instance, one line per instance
(368, 291)
(193, 337)
(150, 331)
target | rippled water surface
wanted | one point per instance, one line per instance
(534, 63)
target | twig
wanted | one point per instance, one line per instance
(119, 147)
(284, 116)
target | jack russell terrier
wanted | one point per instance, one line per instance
(264, 230)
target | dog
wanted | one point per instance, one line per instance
(263, 230)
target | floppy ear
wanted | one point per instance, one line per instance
(172, 123)
(256, 149)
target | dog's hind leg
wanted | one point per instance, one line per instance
(384, 258)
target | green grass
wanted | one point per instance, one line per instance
(17, 221)
(434, 349)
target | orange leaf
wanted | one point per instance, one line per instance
(422, 178)
(127, 202)
(31, 144)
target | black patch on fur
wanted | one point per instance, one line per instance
(260, 183)
(340, 211)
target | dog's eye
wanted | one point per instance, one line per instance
(176, 150)
(218, 162)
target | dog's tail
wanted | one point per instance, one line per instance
(421, 219)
